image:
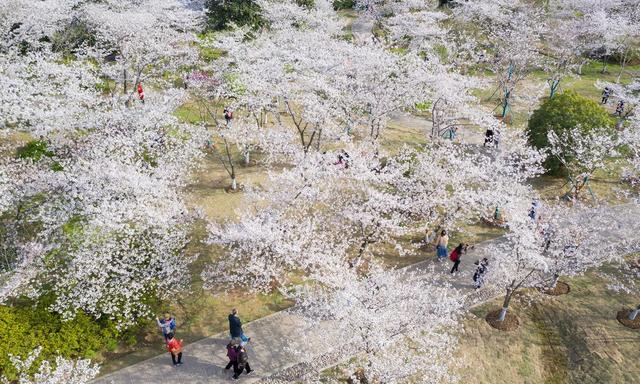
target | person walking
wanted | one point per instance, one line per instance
(167, 325)
(441, 245)
(455, 256)
(481, 271)
(140, 92)
(488, 137)
(605, 95)
(235, 327)
(243, 362)
(228, 115)
(174, 346)
(232, 354)
(620, 108)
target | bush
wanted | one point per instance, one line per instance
(306, 3)
(561, 113)
(343, 4)
(27, 325)
(221, 14)
(34, 150)
(73, 36)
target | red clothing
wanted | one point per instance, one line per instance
(140, 92)
(174, 345)
(454, 256)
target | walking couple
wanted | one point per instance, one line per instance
(238, 358)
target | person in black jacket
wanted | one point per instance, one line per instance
(235, 327)
(242, 362)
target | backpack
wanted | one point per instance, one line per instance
(243, 358)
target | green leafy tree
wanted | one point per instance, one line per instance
(561, 114)
(343, 4)
(26, 325)
(222, 13)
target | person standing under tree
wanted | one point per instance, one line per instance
(228, 115)
(235, 327)
(620, 108)
(441, 245)
(140, 92)
(167, 325)
(174, 346)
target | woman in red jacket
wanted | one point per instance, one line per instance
(455, 256)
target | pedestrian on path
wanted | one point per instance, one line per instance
(441, 246)
(232, 354)
(235, 327)
(243, 362)
(168, 325)
(480, 273)
(174, 346)
(456, 255)
(605, 95)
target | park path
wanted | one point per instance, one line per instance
(274, 337)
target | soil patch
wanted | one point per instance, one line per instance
(510, 322)
(229, 189)
(623, 318)
(561, 288)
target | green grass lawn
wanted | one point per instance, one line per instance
(574, 338)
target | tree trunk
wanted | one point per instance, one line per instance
(505, 305)
(556, 277)
(582, 63)
(604, 63)
(247, 155)
(124, 77)
(623, 62)
(234, 185)
(633, 314)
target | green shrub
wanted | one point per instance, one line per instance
(343, 4)
(34, 150)
(306, 3)
(27, 325)
(561, 113)
(222, 13)
(73, 36)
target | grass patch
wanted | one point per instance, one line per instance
(572, 338)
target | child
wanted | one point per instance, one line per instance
(167, 325)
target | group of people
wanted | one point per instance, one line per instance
(606, 93)
(455, 256)
(236, 350)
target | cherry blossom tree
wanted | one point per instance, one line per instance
(513, 30)
(581, 154)
(385, 317)
(140, 40)
(65, 371)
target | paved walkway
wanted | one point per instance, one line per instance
(273, 337)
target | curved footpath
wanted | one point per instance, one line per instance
(273, 337)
